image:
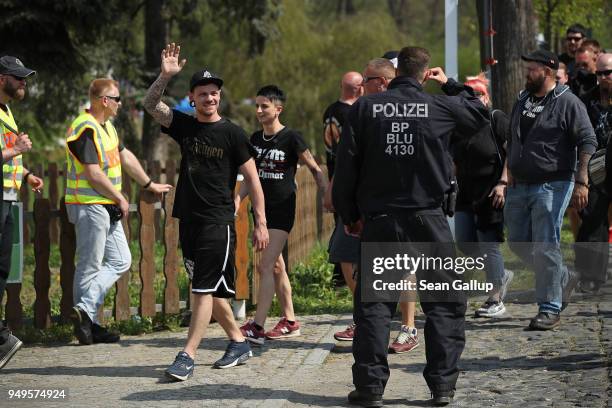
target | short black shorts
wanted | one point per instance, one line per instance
(281, 215)
(209, 254)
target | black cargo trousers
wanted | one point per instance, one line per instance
(445, 321)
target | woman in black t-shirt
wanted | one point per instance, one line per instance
(278, 151)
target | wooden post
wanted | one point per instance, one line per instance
(155, 174)
(67, 247)
(14, 308)
(122, 296)
(42, 274)
(53, 174)
(147, 253)
(171, 261)
(126, 186)
(242, 251)
(24, 196)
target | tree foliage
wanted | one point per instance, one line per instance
(556, 15)
(304, 46)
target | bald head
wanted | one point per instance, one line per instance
(604, 61)
(351, 85)
(603, 66)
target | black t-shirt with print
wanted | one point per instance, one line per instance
(211, 156)
(277, 158)
(334, 118)
(530, 110)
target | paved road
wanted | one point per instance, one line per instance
(503, 366)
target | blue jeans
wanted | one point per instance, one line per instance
(102, 253)
(466, 234)
(534, 213)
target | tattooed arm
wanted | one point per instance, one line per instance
(170, 66)
(153, 104)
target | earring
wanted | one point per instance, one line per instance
(192, 104)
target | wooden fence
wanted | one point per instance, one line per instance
(49, 224)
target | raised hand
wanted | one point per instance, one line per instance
(436, 74)
(170, 63)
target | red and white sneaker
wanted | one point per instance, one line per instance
(284, 329)
(346, 334)
(406, 341)
(250, 332)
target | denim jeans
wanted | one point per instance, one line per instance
(476, 242)
(534, 213)
(102, 253)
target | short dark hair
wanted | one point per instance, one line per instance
(413, 61)
(273, 93)
(578, 29)
(592, 44)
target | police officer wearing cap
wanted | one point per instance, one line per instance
(392, 189)
(13, 76)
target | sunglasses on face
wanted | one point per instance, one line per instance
(573, 39)
(605, 72)
(114, 98)
(367, 79)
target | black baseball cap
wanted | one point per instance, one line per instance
(543, 57)
(204, 77)
(13, 66)
(391, 56)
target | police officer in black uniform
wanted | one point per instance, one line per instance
(392, 189)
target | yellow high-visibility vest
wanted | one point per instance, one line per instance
(78, 189)
(12, 170)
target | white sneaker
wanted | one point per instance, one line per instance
(491, 309)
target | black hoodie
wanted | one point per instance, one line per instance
(548, 151)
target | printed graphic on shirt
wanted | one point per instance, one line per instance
(532, 108)
(271, 163)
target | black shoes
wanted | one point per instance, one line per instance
(365, 399)
(442, 398)
(102, 335)
(82, 326)
(8, 349)
(545, 321)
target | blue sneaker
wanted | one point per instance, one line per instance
(235, 354)
(182, 368)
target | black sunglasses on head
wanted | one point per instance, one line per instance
(605, 72)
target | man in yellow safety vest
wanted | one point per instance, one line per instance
(13, 76)
(95, 204)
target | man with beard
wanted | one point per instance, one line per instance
(13, 76)
(548, 124)
(213, 151)
(592, 239)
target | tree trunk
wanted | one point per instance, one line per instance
(515, 23)
(395, 9)
(156, 37)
